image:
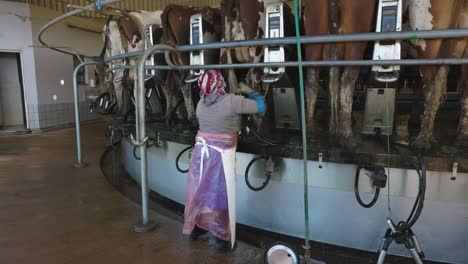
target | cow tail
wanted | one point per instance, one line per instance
(166, 25)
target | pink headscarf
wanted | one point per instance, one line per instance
(211, 82)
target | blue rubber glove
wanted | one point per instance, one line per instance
(260, 100)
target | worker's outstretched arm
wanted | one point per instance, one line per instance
(254, 96)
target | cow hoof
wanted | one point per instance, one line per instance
(462, 141)
(422, 143)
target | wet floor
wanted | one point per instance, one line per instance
(53, 213)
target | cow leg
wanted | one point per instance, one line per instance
(312, 87)
(452, 48)
(355, 16)
(253, 75)
(334, 74)
(462, 133)
(418, 93)
(187, 94)
(127, 93)
(232, 79)
(169, 96)
(348, 82)
(435, 95)
(118, 88)
(333, 91)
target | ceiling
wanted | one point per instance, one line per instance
(148, 5)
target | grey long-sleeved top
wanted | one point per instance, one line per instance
(222, 114)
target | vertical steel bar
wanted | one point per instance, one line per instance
(141, 139)
(79, 163)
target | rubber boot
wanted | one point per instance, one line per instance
(196, 233)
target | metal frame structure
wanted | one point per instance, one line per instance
(141, 139)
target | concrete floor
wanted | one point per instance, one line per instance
(52, 213)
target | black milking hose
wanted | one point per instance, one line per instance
(178, 158)
(265, 183)
(419, 202)
(258, 135)
(148, 146)
(358, 196)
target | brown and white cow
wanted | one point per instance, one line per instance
(336, 16)
(123, 35)
(245, 19)
(176, 31)
(439, 14)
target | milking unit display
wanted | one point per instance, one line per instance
(285, 98)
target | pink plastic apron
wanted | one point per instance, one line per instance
(211, 186)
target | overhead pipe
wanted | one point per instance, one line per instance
(54, 21)
(327, 63)
(141, 139)
(79, 160)
(336, 38)
(409, 35)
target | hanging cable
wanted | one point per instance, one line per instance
(150, 139)
(268, 173)
(257, 134)
(178, 158)
(389, 207)
(379, 180)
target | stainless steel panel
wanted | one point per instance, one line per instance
(379, 112)
(335, 216)
(286, 110)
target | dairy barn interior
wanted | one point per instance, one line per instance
(354, 150)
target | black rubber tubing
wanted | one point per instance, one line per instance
(178, 158)
(358, 196)
(251, 187)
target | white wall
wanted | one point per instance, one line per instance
(11, 105)
(16, 36)
(42, 68)
(52, 66)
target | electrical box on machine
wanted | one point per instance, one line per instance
(286, 111)
(150, 60)
(274, 29)
(389, 19)
(379, 111)
(199, 57)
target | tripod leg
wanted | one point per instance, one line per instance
(382, 256)
(417, 246)
(388, 239)
(409, 245)
(386, 236)
(416, 257)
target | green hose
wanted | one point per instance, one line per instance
(304, 132)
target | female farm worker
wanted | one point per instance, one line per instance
(211, 201)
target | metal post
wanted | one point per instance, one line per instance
(141, 139)
(79, 163)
